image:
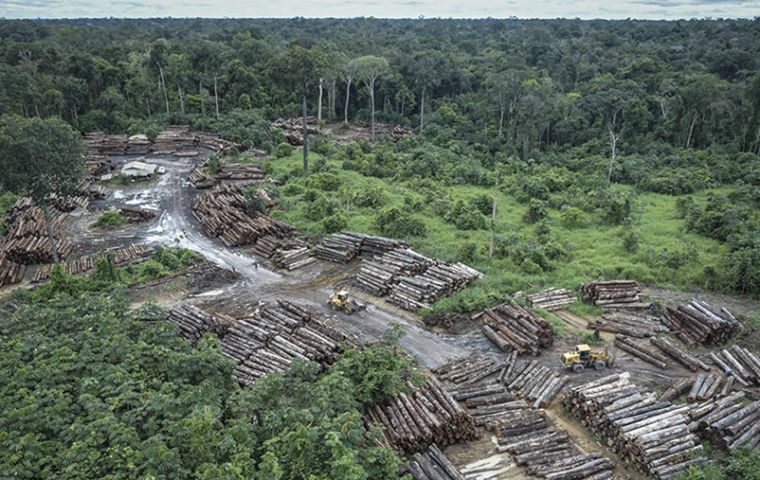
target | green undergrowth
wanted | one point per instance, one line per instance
(332, 198)
(110, 220)
(7, 199)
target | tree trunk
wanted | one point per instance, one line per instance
(147, 104)
(501, 115)
(613, 147)
(49, 226)
(493, 218)
(348, 95)
(319, 103)
(216, 96)
(334, 90)
(422, 109)
(305, 137)
(163, 84)
(757, 141)
(200, 94)
(372, 107)
(691, 130)
(181, 99)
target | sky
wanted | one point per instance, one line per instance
(585, 9)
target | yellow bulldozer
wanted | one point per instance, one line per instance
(341, 302)
(583, 358)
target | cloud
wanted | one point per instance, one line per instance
(645, 9)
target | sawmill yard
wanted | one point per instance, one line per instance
(527, 250)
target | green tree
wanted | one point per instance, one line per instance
(369, 68)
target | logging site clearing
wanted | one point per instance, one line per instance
(495, 401)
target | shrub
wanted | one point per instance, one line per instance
(110, 220)
(334, 223)
(467, 252)
(324, 181)
(321, 208)
(573, 217)
(465, 217)
(283, 149)
(371, 197)
(537, 211)
(395, 222)
(630, 241)
(482, 203)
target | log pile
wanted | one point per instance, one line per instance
(490, 404)
(513, 328)
(413, 421)
(378, 275)
(99, 143)
(222, 214)
(292, 257)
(137, 214)
(79, 266)
(11, 272)
(739, 363)
(213, 142)
(629, 323)
(546, 451)
(175, 138)
(729, 423)
(344, 246)
(474, 368)
(394, 132)
(699, 323)
(438, 281)
(552, 299)
(652, 435)
(27, 241)
(433, 465)
(641, 350)
(97, 165)
(613, 294)
(535, 383)
(87, 188)
(679, 354)
(704, 387)
(274, 336)
(138, 144)
(233, 171)
(194, 322)
(292, 128)
(199, 178)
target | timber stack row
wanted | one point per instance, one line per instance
(652, 435)
(438, 281)
(274, 336)
(432, 464)
(232, 171)
(552, 299)
(490, 404)
(729, 423)
(679, 354)
(474, 368)
(613, 294)
(100, 143)
(546, 451)
(641, 350)
(121, 256)
(739, 363)
(177, 139)
(535, 383)
(28, 241)
(394, 132)
(413, 421)
(705, 387)
(699, 323)
(289, 254)
(97, 165)
(194, 322)
(221, 213)
(513, 328)
(344, 246)
(137, 214)
(200, 178)
(630, 323)
(292, 128)
(378, 275)
(11, 272)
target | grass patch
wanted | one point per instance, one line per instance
(110, 220)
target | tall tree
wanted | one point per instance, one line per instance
(369, 68)
(41, 157)
(349, 73)
(299, 68)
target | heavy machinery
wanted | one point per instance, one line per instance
(583, 358)
(342, 302)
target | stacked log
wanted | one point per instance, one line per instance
(729, 423)
(704, 387)
(372, 245)
(194, 322)
(677, 389)
(552, 299)
(535, 383)
(97, 165)
(377, 276)
(413, 421)
(474, 368)
(699, 323)
(547, 451)
(136, 214)
(175, 138)
(28, 241)
(652, 435)
(121, 256)
(87, 188)
(739, 363)
(490, 404)
(613, 294)
(274, 336)
(513, 328)
(11, 272)
(629, 323)
(292, 257)
(213, 142)
(292, 128)
(679, 354)
(340, 247)
(233, 171)
(641, 351)
(138, 144)
(222, 214)
(438, 281)
(199, 178)
(363, 131)
(102, 144)
(433, 465)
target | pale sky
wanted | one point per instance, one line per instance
(585, 9)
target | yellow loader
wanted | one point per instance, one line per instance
(583, 358)
(343, 303)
